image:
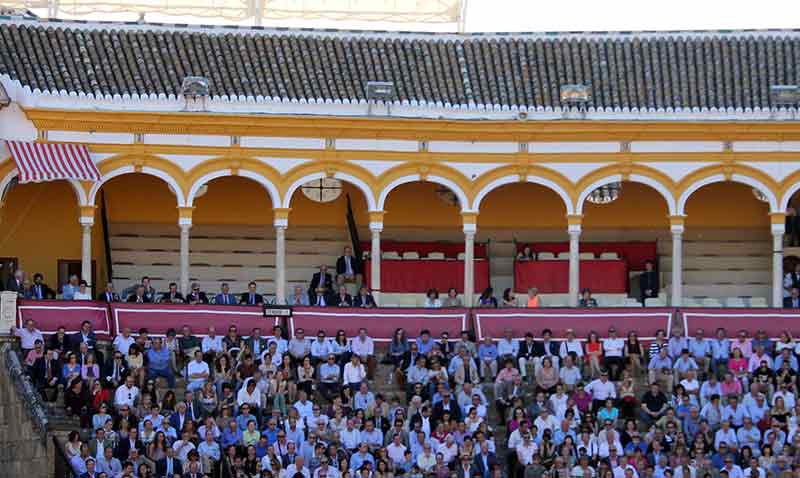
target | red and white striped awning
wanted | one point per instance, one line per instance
(38, 162)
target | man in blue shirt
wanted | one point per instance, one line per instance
(158, 363)
(700, 350)
(720, 353)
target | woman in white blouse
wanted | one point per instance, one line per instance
(432, 299)
(83, 292)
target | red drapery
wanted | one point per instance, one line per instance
(380, 323)
(634, 253)
(158, 318)
(772, 321)
(645, 321)
(553, 276)
(419, 276)
(49, 315)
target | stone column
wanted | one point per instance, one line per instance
(185, 225)
(375, 227)
(470, 228)
(281, 222)
(86, 221)
(574, 231)
(778, 220)
(676, 228)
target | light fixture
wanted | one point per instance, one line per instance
(605, 194)
(575, 94)
(759, 195)
(194, 89)
(784, 95)
(447, 195)
(5, 100)
(322, 190)
(201, 191)
(382, 91)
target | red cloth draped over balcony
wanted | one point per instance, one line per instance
(49, 315)
(553, 276)
(450, 249)
(634, 253)
(158, 318)
(419, 276)
(772, 321)
(644, 321)
(380, 323)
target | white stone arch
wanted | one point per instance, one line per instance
(80, 194)
(718, 178)
(787, 196)
(272, 190)
(633, 178)
(359, 183)
(499, 182)
(462, 196)
(176, 188)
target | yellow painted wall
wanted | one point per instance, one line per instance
(522, 206)
(40, 226)
(140, 198)
(726, 205)
(418, 205)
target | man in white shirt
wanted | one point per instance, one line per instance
(396, 450)
(507, 347)
(122, 343)
(613, 349)
(601, 389)
(354, 373)
(249, 394)
(298, 467)
(28, 336)
(303, 406)
(126, 394)
(197, 371)
(364, 347)
(211, 345)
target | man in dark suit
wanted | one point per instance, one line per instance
(46, 371)
(169, 465)
(793, 301)
(256, 344)
(196, 296)
(225, 297)
(125, 446)
(86, 335)
(193, 471)
(251, 297)
(115, 371)
(320, 280)
(446, 405)
(16, 282)
(40, 290)
(528, 351)
(179, 417)
(108, 296)
(149, 292)
(648, 282)
(172, 296)
(465, 469)
(139, 297)
(485, 461)
(342, 299)
(349, 266)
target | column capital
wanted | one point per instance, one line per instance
(778, 222)
(470, 221)
(676, 224)
(87, 215)
(185, 215)
(574, 222)
(376, 220)
(281, 216)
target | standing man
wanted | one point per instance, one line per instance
(648, 282)
(349, 267)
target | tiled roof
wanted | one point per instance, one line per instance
(626, 71)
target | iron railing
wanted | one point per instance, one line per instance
(31, 399)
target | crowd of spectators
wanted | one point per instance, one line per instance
(310, 407)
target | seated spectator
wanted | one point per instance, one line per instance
(172, 296)
(508, 298)
(488, 357)
(225, 297)
(363, 346)
(342, 298)
(349, 267)
(139, 296)
(83, 292)
(196, 296)
(67, 290)
(432, 299)
(320, 282)
(298, 297)
(251, 297)
(534, 300)
(487, 298)
(40, 290)
(364, 298)
(452, 300)
(108, 295)
(586, 299)
(526, 254)
(158, 363)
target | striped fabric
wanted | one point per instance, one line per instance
(38, 162)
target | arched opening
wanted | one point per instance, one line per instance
(625, 231)
(519, 215)
(142, 216)
(319, 231)
(726, 246)
(40, 232)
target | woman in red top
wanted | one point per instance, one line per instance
(594, 353)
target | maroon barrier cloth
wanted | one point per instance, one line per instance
(634, 253)
(158, 318)
(644, 321)
(419, 276)
(772, 321)
(450, 249)
(50, 314)
(553, 276)
(380, 323)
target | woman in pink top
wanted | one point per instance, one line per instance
(730, 386)
(737, 365)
